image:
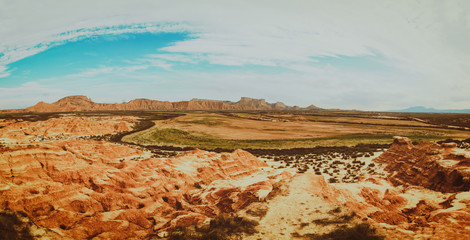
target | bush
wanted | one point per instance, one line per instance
(11, 227)
(344, 228)
(220, 228)
(358, 232)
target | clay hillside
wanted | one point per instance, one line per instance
(83, 103)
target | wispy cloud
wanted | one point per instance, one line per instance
(27, 94)
(175, 57)
(424, 42)
(4, 71)
(15, 52)
(114, 70)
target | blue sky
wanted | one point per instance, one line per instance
(80, 56)
(368, 55)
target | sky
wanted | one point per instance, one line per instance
(366, 55)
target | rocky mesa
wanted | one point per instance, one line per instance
(83, 103)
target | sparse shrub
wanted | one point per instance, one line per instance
(220, 228)
(344, 228)
(279, 188)
(12, 227)
(358, 232)
(304, 224)
(258, 211)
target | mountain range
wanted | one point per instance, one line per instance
(421, 109)
(83, 103)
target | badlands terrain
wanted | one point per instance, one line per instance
(205, 169)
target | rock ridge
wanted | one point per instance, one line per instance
(83, 103)
(96, 189)
(437, 167)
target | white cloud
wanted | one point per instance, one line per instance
(175, 57)
(427, 40)
(269, 30)
(27, 94)
(324, 86)
(115, 70)
(4, 71)
(18, 51)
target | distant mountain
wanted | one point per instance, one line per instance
(421, 109)
(83, 103)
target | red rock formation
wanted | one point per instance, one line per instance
(312, 107)
(83, 189)
(441, 168)
(428, 218)
(82, 103)
(250, 103)
(393, 211)
(62, 127)
(438, 167)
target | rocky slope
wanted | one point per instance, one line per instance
(369, 209)
(82, 103)
(93, 189)
(63, 127)
(56, 184)
(443, 168)
(425, 196)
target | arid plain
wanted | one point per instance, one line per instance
(205, 169)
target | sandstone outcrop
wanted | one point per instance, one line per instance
(95, 189)
(424, 197)
(443, 168)
(312, 107)
(83, 103)
(424, 214)
(398, 213)
(428, 196)
(63, 186)
(63, 127)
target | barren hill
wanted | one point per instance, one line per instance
(83, 103)
(60, 180)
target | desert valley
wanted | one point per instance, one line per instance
(234, 120)
(206, 169)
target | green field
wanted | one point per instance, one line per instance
(180, 138)
(216, 130)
